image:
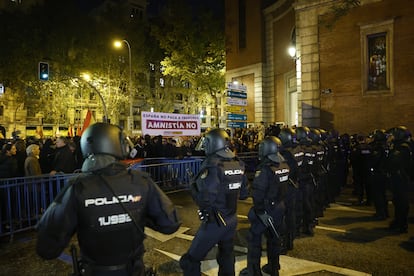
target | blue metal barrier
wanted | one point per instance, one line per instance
(170, 174)
(23, 199)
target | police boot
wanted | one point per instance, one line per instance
(284, 240)
(253, 262)
(251, 270)
(272, 267)
(290, 241)
(189, 265)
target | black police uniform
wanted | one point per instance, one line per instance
(299, 156)
(377, 178)
(320, 176)
(398, 167)
(307, 186)
(325, 164)
(268, 192)
(288, 153)
(108, 209)
(335, 167)
(361, 159)
(217, 187)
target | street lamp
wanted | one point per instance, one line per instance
(292, 52)
(118, 44)
(86, 77)
(15, 115)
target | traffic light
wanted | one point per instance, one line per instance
(43, 71)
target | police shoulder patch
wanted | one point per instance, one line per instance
(204, 174)
(257, 173)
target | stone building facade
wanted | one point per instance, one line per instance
(351, 72)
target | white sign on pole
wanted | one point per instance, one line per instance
(236, 86)
(236, 101)
(170, 124)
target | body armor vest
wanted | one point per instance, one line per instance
(218, 185)
(281, 180)
(100, 214)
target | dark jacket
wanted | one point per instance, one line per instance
(64, 160)
(8, 166)
(108, 209)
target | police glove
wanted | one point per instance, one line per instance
(203, 215)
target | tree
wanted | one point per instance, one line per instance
(192, 37)
(187, 52)
(72, 42)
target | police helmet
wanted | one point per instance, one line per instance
(400, 133)
(315, 135)
(269, 147)
(379, 135)
(324, 134)
(217, 141)
(333, 136)
(302, 133)
(286, 136)
(104, 138)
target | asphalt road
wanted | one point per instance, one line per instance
(347, 241)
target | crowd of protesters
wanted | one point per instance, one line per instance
(31, 157)
(62, 154)
(242, 140)
(364, 156)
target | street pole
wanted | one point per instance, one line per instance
(15, 116)
(131, 113)
(85, 79)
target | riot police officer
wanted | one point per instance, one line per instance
(306, 179)
(377, 177)
(289, 151)
(325, 179)
(399, 165)
(217, 187)
(267, 214)
(108, 207)
(360, 157)
(335, 165)
(319, 172)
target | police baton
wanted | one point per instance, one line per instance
(272, 227)
(219, 218)
(294, 184)
(75, 263)
(314, 180)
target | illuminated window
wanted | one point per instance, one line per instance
(377, 55)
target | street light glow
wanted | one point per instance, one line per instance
(86, 76)
(117, 44)
(292, 51)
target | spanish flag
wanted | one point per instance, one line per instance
(87, 121)
(70, 131)
(78, 130)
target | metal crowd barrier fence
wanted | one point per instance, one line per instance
(23, 199)
(170, 174)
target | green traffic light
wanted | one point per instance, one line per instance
(43, 71)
